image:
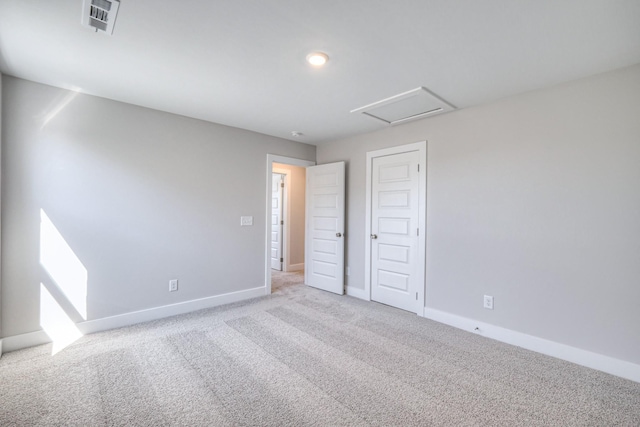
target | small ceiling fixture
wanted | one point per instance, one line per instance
(317, 59)
(296, 134)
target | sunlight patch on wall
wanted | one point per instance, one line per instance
(55, 322)
(58, 107)
(63, 265)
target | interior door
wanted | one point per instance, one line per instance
(395, 229)
(276, 221)
(324, 240)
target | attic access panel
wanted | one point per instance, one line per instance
(411, 105)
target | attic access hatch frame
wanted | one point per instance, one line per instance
(433, 105)
(100, 15)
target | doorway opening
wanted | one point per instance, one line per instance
(285, 222)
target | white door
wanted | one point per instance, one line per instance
(324, 240)
(276, 221)
(395, 227)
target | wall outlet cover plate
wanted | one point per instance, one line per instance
(488, 302)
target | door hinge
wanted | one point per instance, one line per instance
(282, 184)
(417, 231)
(281, 260)
(418, 167)
(416, 296)
(282, 222)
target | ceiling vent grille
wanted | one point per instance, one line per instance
(100, 14)
(412, 105)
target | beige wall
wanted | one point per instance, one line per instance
(140, 197)
(295, 245)
(533, 199)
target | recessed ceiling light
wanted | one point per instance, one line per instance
(296, 134)
(317, 59)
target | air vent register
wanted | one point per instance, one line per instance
(100, 14)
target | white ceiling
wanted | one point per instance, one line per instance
(242, 62)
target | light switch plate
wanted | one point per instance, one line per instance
(246, 220)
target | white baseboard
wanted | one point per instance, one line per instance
(295, 267)
(356, 293)
(31, 339)
(586, 358)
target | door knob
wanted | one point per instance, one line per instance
(338, 234)
(374, 236)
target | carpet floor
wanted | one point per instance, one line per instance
(303, 357)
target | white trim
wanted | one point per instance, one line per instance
(0, 347)
(31, 339)
(356, 293)
(421, 147)
(586, 358)
(271, 158)
(296, 267)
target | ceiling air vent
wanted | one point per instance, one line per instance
(100, 14)
(411, 105)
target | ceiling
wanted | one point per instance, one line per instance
(242, 63)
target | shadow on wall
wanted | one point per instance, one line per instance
(64, 295)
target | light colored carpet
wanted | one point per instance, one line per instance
(282, 279)
(304, 357)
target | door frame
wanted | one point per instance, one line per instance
(421, 147)
(271, 159)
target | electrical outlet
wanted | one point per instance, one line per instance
(488, 302)
(173, 285)
(246, 220)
